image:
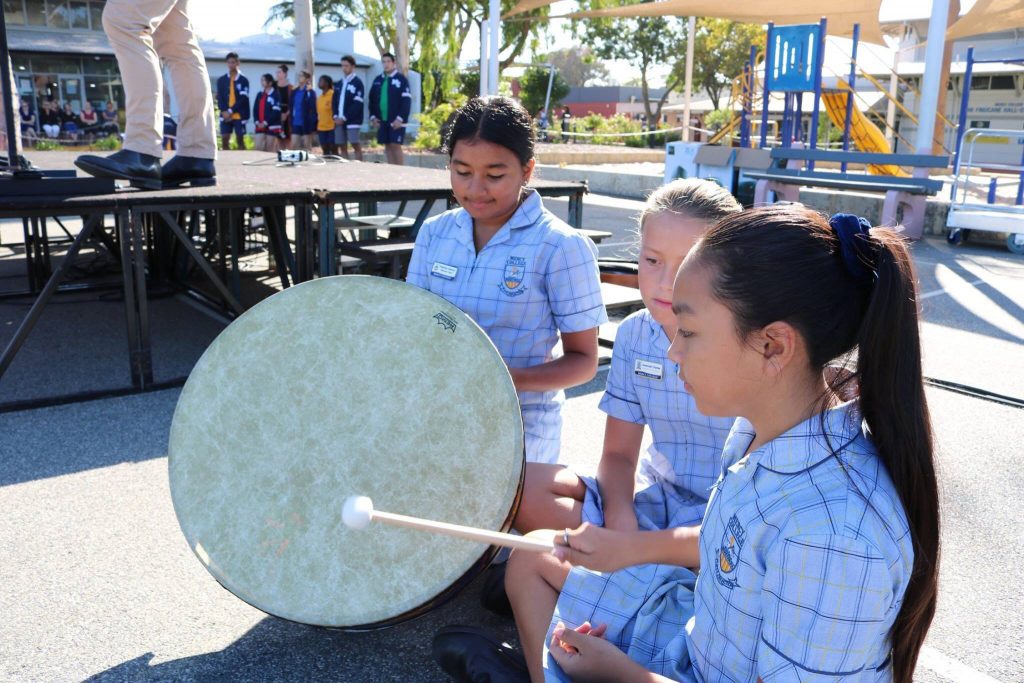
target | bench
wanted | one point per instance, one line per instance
(617, 297)
(597, 236)
(391, 253)
(906, 193)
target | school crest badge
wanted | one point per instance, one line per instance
(729, 553)
(513, 276)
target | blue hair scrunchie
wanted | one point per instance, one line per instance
(858, 251)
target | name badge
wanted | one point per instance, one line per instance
(646, 368)
(444, 270)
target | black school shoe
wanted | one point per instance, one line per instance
(492, 594)
(141, 170)
(192, 170)
(470, 655)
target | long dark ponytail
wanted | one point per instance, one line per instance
(846, 288)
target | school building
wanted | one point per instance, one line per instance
(60, 52)
(612, 99)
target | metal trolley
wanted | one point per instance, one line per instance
(966, 212)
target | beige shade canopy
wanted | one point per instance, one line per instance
(841, 14)
(988, 16)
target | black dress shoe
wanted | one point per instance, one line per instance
(192, 170)
(492, 594)
(141, 170)
(469, 655)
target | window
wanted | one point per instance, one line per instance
(980, 82)
(96, 15)
(78, 14)
(1002, 83)
(54, 64)
(35, 12)
(980, 124)
(14, 12)
(57, 14)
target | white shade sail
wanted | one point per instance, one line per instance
(841, 14)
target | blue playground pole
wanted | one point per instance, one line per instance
(850, 95)
(1020, 185)
(748, 101)
(787, 121)
(767, 79)
(750, 90)
(819, 66)
(961, 123)
(744, 114)
(798, 118)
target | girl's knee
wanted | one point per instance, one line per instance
(526, 568)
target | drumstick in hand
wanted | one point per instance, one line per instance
(358, 513)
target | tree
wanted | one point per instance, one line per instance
(325, 13)
(579, 66)
(644, 42)
(721, 50)
(533, 89)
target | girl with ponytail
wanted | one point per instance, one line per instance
(820, 545)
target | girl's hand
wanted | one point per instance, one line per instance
(583, 629)
(585, 656)
(594, 547)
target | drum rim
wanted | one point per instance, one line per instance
(431, 603)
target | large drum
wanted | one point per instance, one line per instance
(345, 386)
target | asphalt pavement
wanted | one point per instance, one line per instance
(97, 582)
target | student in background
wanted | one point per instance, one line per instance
(302, 113)
(49, 119)
(233, 102)
(28, 121)
(266, 114)
(348, 109)
(390, 104)
(284, 99)
(325, 115)
(109, 120)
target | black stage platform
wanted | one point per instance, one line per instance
(163, 239)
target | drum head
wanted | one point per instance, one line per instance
(345, 386)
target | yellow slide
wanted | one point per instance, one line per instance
(865, 135)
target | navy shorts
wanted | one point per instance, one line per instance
(236, 126)
(302, 129)
(386, 135)
(326, 137)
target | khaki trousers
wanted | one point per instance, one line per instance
(142, 33)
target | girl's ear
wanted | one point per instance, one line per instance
(528, 170)
(779, 344)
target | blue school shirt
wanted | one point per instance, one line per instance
(686, 455)
(805, 558)
(536, 277)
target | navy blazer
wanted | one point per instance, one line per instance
(241, 95)
(271, 111)
(349, 101)
(399, 98)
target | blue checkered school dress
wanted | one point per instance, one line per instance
(805, 557)
(537, 277)
(675, 476)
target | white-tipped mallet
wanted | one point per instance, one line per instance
(358, 512)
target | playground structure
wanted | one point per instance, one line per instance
(799, 45)
(792, 65)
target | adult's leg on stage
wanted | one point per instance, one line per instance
(130, 26)
(175, 42)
